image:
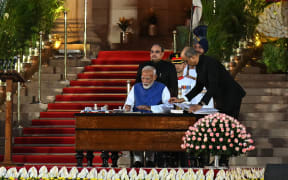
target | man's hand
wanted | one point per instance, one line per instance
(194, 108)
(144, 107)
(127, 108)
(176, 100)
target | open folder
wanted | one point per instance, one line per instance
(185, 106)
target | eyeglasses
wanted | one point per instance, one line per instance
(157, 51)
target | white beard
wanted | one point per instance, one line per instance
(147, 86)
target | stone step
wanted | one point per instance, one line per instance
(265, 124)
(251, 70)
(261, 116)
(70, 62)
(29, 99)
(276, 142)
(25, 116)
(265, 99)
(60, 69)
(263, 84)
(44, 91)
(255, 161)
(269, 133)
(261, 77)
(50, 84)
(31, 107)
(266, 91)
(53, 77)
(245, 107)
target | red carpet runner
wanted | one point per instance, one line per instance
(50, 139)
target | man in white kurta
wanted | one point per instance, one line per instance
(148, 96)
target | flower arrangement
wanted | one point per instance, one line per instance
(123, 23)
(218, 134)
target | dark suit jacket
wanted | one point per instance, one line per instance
(166, 74)
(220, 85)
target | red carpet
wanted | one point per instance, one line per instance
(50, 138)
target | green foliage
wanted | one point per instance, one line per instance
(275, 56)
(26, 18)
(234, 19)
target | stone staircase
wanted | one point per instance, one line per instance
(264, 113)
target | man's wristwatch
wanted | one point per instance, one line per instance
(201, 103)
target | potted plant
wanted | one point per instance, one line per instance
(217, 134)
(123, 25)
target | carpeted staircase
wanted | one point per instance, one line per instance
(50, 138)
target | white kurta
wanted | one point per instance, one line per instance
(161, 108)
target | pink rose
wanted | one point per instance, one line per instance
(191, 128)
(227, 134)
(210, 146)
(199, 139)
(244, 150)
(202, 129)
(205, 139)
(222, 129)
(231, 145)
(188, 139)
(193, 138)
(197, 147)
(218, 147)
(217, 134)
(214, 129)
(229, 140)
(203, 146)
(213, 124)
(233, 125)
(191, 145)
(248, 135)
(183, 138)
(193, 133)
(227, 129)
(213, 139)
(244, 144)
(236, 140)
(211, 134)
(200, 134)
(221, 125)
(183, 146)
(251, 141)
(221, 139)
(224, 148)
(209, 130)
(240, 144)
(187, 145)
(236, 148)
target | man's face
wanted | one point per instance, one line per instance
(192, 61)
(156, 54)
(180, 67)
(148, 79)
(198, 48)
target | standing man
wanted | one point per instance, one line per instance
(220, 85)
(186, 83)
(166, 72)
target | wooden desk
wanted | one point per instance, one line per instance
(130, 132)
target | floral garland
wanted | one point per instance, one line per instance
(218, 134)
(128, 174)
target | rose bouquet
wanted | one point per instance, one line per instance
(218, 134)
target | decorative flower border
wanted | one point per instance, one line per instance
(128, 174)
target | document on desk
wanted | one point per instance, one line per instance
(185, 106)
